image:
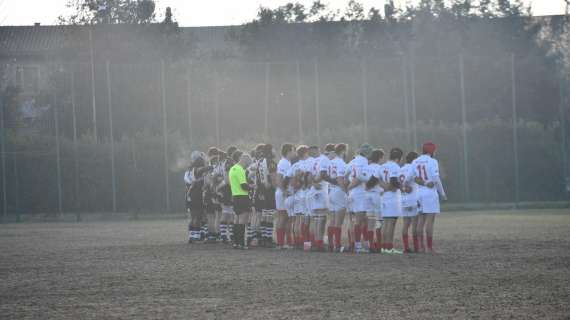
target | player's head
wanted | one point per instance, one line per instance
(396, 154)
(314, 151)
(268, 151)
(230, 150)
(429, 148)
(302, 152)
(329, 150)
(376, 156)
(411, 156)
(259, 150)
(245, 160)
(287, 151)
(340, 149)
(236, 155)
(364, 150)
(212, 152)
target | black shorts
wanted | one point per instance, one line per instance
(242, 204)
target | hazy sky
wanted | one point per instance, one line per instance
(202, 12)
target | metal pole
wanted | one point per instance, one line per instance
(217, 107)
(3, 150)
(406, 104)
(165, 134)
(413, 88)
(266, 119)
(189, 103)
(111, 137)
(75, 158)
(364, 99)
(464, 130)
(515, 135)
(317, 104)
(57, 155)
(17, 187)
(299, 103)
(93, 102)
(563, 132)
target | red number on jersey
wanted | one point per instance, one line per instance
(402, 179)
(422, 172)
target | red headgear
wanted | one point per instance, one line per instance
(429, 147)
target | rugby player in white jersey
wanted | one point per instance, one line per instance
(337, 195)
(358, 176)
(391, 198)
(297, 177)
(426, 175)
(374, 194)
(409, 203)
(318, 197)
(282, 219)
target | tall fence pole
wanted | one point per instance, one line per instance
(111, 136)
(317, 104)
(299, 102)
(3, 151)
(189, 102)
(93, 101)
(165, 136)
(75, 158)
(217, 106)
(515, 134)
(563, 133)
(266, 113)
(57, 155)
(364, 99)
(17, 187)
(464, 130)
(406, 105)
(413, 89)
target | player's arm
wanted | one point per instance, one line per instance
(437, 182)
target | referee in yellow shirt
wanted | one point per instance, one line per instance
(240, 194)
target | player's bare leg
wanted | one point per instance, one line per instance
(420, 232)
(429, 222)
(280, 227)
(405, 234)
(320, 220)
(415, 233)
(360, 231)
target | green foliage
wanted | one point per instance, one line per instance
(110, 12)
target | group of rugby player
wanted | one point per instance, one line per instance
(245, 196)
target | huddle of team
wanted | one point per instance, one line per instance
(245, 196)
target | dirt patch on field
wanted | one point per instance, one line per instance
(491, 265)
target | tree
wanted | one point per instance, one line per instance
(110, 12)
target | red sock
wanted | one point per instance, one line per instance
(280, 236)
(289, 237)
(389, 246)
(357, 234)
(337, 236)
(379, 239)
(416, 243)
(320, 243)
(429, 242)
(406, 241)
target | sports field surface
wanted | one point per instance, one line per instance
(491, 265)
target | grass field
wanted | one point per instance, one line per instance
(499, 265)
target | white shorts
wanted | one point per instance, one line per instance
(358, 202)
(429, 204)
(392, 209)
(280, 200)
(409, 212)
(374, 205)
(317, 199)
(337, 199)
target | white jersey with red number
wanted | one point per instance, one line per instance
(376, 171)
(283, 167)
(390, 170)
(408, 199)
(427, 168)
(337, 168)
(358, 170)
